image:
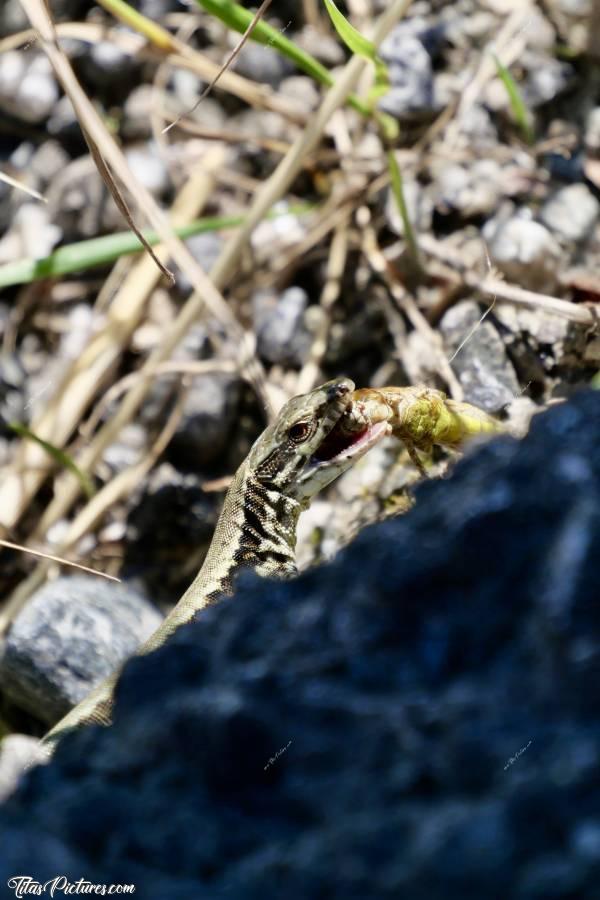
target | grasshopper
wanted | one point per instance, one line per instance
(421, 417)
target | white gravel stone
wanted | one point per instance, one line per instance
(149, 168)
(525, 251)
(472, 189)
(27, 86)
(418, 204)
(32, 234)
(571, 212)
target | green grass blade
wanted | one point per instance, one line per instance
(59, 456)
(353, 39)
(398, 191)
(107, 249)
(238, 19)
(96, 252)
(519, 110)
(360, 46)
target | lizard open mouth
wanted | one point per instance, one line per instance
(342, 444)
(360, 426)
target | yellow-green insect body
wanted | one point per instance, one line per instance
(422, 417)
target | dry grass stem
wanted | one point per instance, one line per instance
(310, 373)
(407, 304)
(226, 65)
(58, 559)
(62, 412)
(506, 292)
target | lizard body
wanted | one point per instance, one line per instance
(294, 458)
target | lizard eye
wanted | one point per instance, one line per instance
(299, 432)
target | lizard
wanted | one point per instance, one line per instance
(315, 438)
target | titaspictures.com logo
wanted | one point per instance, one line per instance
(25, 886)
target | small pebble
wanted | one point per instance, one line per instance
(106, 65)
(48, 160)
(410, 72)
(482, 366)
(209, 416)
(282, 336)
(525, 251)
(262, 64)
(418, 205)
(571, 213)
(33, 233)
(27, 86)
(471, 190)
(149, 168)
(547, 78)
(206, 249)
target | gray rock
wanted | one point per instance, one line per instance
(105, 64)
(13, 390)
(63, 121)
(482, 366)
(418, 204)
(169, 529)
(303, 91)
(77, 201)
(323, 46)
(262, 64)
(471, 190)
(74, 632)
(50, 159)
(478, 126)
(137, 112)
(209, 415)
(282, 335)
(27, 86)
(546, 78)
(128, 449)
(187, 88)
(18, 752)
(408, 51)
(13, 17)
(149, 167)
(32, 231)
(543, 327)
(410, 73)
(525, 251)
(571, 212)
(205, 248)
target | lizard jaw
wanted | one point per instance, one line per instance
(322, 469)
(353, 446)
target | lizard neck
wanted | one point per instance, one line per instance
(266, 520)
(256, 530)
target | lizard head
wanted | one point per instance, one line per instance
(315, 438)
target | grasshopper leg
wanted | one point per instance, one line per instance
(415, 458)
